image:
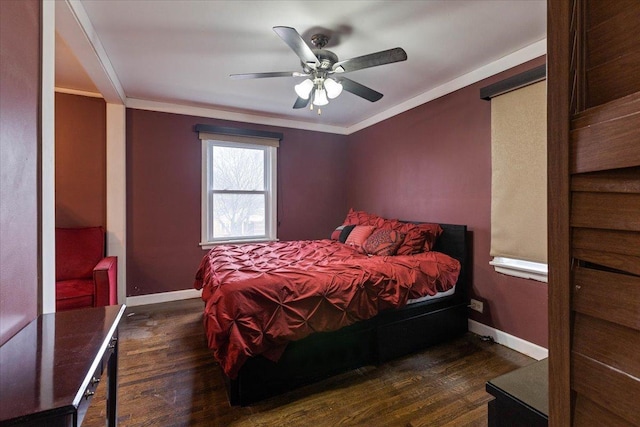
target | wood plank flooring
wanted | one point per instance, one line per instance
(167, 377)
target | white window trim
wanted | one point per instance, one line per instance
(520, 268)
(271, 196)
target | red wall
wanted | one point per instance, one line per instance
(433, 163)
(20, 65)
(163, 194)
(80, 161)
(430, 163)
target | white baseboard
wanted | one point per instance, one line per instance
(163, 297)
(518, 344)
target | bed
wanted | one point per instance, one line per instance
(261, 356)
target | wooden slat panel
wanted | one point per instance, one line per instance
(613, 79)
(611, 344)
(604, 136)
(589, 413)
(628, 264)
(612, 389)
(614, 38)
(611, 181)
(611, 144)
(599, 11)
(611, 241)
(610, 296)
(614, 211)
(610, 111)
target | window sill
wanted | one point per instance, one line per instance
(210, 245)
(519, 268)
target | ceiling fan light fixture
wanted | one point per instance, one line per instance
(318, 64)
(320, 97)
(334, 88)
(303, 89)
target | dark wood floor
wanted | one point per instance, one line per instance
(167, 377)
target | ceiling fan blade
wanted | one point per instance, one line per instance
(263, 75)
(372, 60)
(301, 102)
(293, 39)
(359, 89)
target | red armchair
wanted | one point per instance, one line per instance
(84, 276)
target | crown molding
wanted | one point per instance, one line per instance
(212, 113)
(518, 57)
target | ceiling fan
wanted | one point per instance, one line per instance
(324, 72)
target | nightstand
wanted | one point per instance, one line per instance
(521, 397)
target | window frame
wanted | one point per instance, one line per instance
(269, 147)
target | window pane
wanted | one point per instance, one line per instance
(238, 169)
(238, 215)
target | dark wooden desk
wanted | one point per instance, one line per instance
(521, 397)
(51, 368)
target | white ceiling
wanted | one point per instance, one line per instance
(182, 52)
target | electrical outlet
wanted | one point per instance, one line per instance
(476, 305)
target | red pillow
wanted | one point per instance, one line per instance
(383, 242)
(419, 237)
(359, 235)
(360, 218)
(433, 232)
(413, 240)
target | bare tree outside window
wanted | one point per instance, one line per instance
(238, 192)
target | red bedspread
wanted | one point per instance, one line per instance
(261, 296)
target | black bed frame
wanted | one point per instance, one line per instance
(390, 334)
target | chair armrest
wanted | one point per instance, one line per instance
(105, 281)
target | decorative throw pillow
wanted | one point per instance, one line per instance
(335, 234)
(418, 238)
(359, 235)
(383, 242)
(341, 233)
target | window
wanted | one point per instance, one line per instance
(239, 201)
